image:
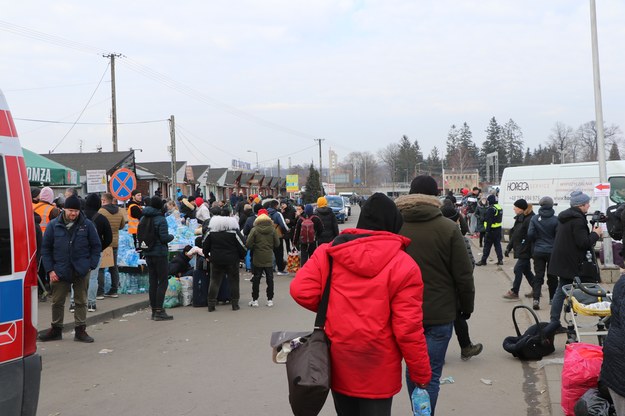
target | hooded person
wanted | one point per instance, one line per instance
(93, 204)
(262, 241)
(439, 249)
(330, 223)
(303, 240)
(368, 264)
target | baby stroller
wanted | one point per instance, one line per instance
(586, 299)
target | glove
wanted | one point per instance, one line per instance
(506, 253)
(465, 316)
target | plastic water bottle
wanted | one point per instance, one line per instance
(421, 402)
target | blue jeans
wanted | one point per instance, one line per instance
(93, 284)
(558, 300)
(437, 338)
(522, 267)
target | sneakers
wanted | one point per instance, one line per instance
(481, 263)
(270, 303)
(472, 350)
(111, 295)
(282, 273)
(99, 297)
(91, 307)
(72, 307)
(253, 303)
(510, 295)
(536, 305)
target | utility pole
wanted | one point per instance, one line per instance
(172, 135)
(112, 56)
(320, 164)
(279, 180)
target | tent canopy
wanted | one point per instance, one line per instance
(43, 171)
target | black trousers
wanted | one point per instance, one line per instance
(462, 331)
(541, 262)
(355, 406)
(278, 252)
(218, 273)
(258, 274)
(306, 252)
(493, 239)
(157, 270)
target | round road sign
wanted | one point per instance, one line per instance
(123, 182)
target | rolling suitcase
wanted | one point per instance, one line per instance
(200, 284)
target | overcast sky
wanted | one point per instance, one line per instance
(271, 76)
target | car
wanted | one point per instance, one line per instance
(348, 205)
(20, 365)
(338, 207)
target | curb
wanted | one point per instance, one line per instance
(106, 316)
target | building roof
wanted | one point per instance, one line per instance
(198, 171)
(214, 174)
(162, 169)
(232, 176)
(109, 161)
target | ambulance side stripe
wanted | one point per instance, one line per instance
(7, 128)
(18, 207)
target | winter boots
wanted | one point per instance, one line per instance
(55, 333)
(235, 304)
(211, 305)
(161, 315)
(81, 334)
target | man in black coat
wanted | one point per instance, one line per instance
(522, 248)
(573, 241)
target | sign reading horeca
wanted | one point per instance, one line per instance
(292, 183)
(96, 181)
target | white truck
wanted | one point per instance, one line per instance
(558, 181)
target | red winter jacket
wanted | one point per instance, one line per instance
(374, 315)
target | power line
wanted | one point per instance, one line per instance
(34, 120)
(49, 87)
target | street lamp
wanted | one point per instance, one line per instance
(252, 151)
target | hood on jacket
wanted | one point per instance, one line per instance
(419, 207)
(324, 210)
(151, 212)
(93, 202)
(112, 208)
(220, 223)
(367, 252)
(379, 213)
(570, 214)
(529, 211)
(546, 212)
(263, 224)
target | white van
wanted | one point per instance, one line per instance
(558, 181)
(20, 365)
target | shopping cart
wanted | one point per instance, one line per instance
(590, 300)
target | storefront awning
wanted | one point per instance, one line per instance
(45, 172)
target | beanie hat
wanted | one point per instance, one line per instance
(579, 198)
(309, 210)
(450, 212)
(521, 204)
(424, 184)
(322, 202)
(263, 211)
(546, 201)
(34, 192)
(379, 213)
(156, 202)
(47, 195)
(199, 201)
(72, 202)
(492, 199)
(93, 202)
(256, 208)
(464, 191)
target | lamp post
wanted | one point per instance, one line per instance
(256, 153)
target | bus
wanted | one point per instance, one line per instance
(20, 365)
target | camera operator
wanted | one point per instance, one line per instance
(572, 242)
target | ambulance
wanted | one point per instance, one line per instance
(20, 365)
(558, 181)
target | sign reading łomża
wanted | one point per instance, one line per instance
(38, 174)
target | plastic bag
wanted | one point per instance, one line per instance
(582, 365)
(186, 283)
(592, 404)
(173, 293)
(292, 265)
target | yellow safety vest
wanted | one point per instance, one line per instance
(498, 217)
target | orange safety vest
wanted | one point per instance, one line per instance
(43, 209)
(133, 223)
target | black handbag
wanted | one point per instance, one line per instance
(535, 343)
(308, 365)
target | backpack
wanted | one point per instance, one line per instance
(614, 221)
(146, 232)
(307, 231)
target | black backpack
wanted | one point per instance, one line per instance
(146, 232)
(535, 343)
(614, 222)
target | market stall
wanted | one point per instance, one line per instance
(45, 172)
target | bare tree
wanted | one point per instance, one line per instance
(389, 156)
(563, 140)
(587, 136)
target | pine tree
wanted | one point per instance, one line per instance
(614, 152)
(313, 186)
(492, 143)
(512, 139)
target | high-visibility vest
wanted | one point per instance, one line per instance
(43, 209)
(498, 217)
(133, 223)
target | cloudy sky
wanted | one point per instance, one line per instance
(272, 76)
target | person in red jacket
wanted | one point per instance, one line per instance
(374, 316)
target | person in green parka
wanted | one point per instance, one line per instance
(262, 241)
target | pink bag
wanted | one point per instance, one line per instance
(582, 365)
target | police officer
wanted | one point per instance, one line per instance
(492, 223)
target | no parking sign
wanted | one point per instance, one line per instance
(123, 182)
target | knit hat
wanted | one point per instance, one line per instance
(492, 199)
(464, 191)
(156, 202)
(263, 211)
(579, 198)
(379, 213)
(199, 201)
(424, 184)
(93, 202)
(47, 195)
(34, 192)
(546, 201)
(309, 210)
(322, 202)
(521, 204)
(72, 202)
(450, 212)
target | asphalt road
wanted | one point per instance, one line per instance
(220, 363)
